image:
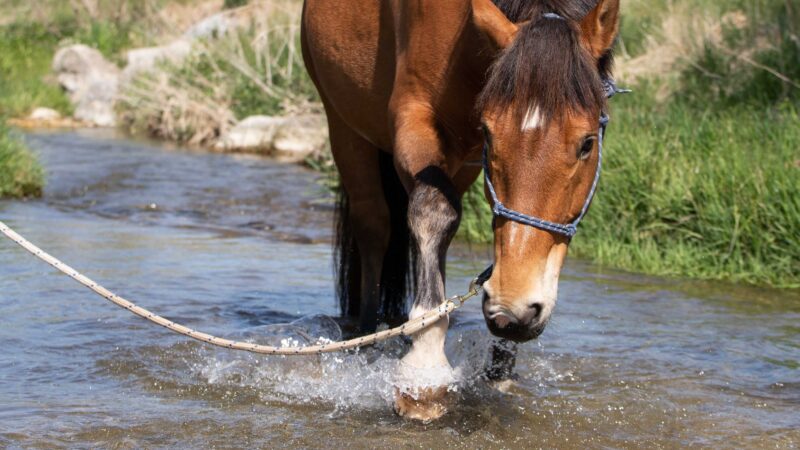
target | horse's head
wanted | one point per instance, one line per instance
(541, 110)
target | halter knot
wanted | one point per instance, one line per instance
(549, 15)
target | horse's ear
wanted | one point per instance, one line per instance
(493, 23)
(599, 28)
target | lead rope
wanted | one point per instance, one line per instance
(407, 329)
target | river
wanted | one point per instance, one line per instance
(239, 246)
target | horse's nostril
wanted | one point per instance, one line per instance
(502, 319)
(537, 310)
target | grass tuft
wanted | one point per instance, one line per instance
(230, 4)
(20, 173)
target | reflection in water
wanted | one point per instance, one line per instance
(238, 246)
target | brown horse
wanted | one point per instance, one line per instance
(413, 89)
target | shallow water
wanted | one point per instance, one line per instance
(238, 246)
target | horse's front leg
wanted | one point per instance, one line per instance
(433, 215)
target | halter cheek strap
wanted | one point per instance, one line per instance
(569, 229)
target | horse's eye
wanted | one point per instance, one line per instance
(586, 147)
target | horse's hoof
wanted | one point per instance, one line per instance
(505, 386)
(425, 405)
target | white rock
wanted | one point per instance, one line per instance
(145, 59)
(299, 138)
(213, 26)
(44, 114)
(90, 81)
(289, 139)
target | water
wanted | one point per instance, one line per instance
(238, 246)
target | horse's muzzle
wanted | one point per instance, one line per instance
(505, 324)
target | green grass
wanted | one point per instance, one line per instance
(234, 3)
(27, 48)
(705, 193)
(20, 173)
(26, 54)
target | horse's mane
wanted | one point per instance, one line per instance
(546, 63)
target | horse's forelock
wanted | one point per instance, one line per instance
(546, 66)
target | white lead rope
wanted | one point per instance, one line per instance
(407, 329)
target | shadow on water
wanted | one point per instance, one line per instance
(238, 246)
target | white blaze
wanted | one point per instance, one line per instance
(533, 119)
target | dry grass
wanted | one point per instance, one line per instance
(257, 69)
(673, 37)
(677, 41)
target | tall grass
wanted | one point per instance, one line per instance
(20, 173)
(26, 52)
(233, 3)
(699, 192)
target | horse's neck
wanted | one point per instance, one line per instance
(468, 66)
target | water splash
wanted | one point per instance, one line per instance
(360, 379)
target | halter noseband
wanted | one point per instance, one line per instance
(568, 230)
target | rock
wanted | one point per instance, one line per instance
(45, 114)
(145, 59)
(45, 118)
(289, 139)
(254, 133)
(213, 26)
(36, 124)
(90, 81)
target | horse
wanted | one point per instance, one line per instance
(416, 91)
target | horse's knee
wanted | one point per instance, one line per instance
(434, 210)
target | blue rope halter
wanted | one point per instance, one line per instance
(568, 230)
